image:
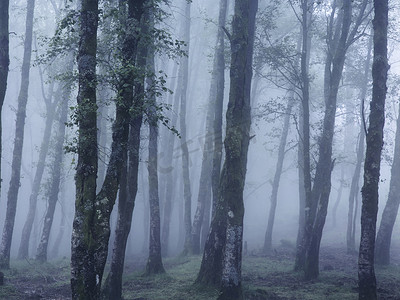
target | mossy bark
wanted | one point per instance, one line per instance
(85, 281)
(12, 195)
(380, 66)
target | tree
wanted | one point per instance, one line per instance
(384, 236)
(41, 254)
(211, 265)
(187, 194)
(340, 36)
(236, 144)
(4, 60)
(12, 195)
(366, 272)
(154, 263)
(85, 279)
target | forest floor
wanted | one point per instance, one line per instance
(264, 277)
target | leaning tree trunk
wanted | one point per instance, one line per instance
(278, 173)
(366, 272)
(187, 195)
(85, 282)
(4, 61)
(384, 237)
(236, 143)
(211, 266)
(113, 285)
(154, 263)
(354, 187)
(41, 254)
(12, 195)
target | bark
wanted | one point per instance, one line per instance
(187, 194)
(211, 266)
(277, 176)
(383, 239)
(4, 61)
(85, 281)
(366, 272)
(154, 262)
(41, 254)
(23, 251)
(12, 195)
(236, 144)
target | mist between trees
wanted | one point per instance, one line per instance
(142, 130)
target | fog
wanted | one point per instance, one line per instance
(277, 77)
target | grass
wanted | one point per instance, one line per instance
(264, 277)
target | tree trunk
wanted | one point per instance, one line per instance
(154, 263)
(85, 281)
(187, 195)
(383, 239)
(113, 286)
(366, 272)
(4, 61)
(318, 203)
(304, 148)
(211, 266)
(12, 195)
(41, 254)
(236, 143)
(278, 173)
(168, 171)
(23, 251)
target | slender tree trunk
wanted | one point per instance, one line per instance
(354, 187)
(205, 227)
(278, 173)
(12, 195)
(187, 194)
(317, 208)
(58, 241)
(168, 169)
(23, 251)
(366, 272)
(338, 197)
(236, 143)
(41, 254)
(154, 262)
(211, 266)
(383, 239)
(85, 282)
(4, 62)
(304, 148)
